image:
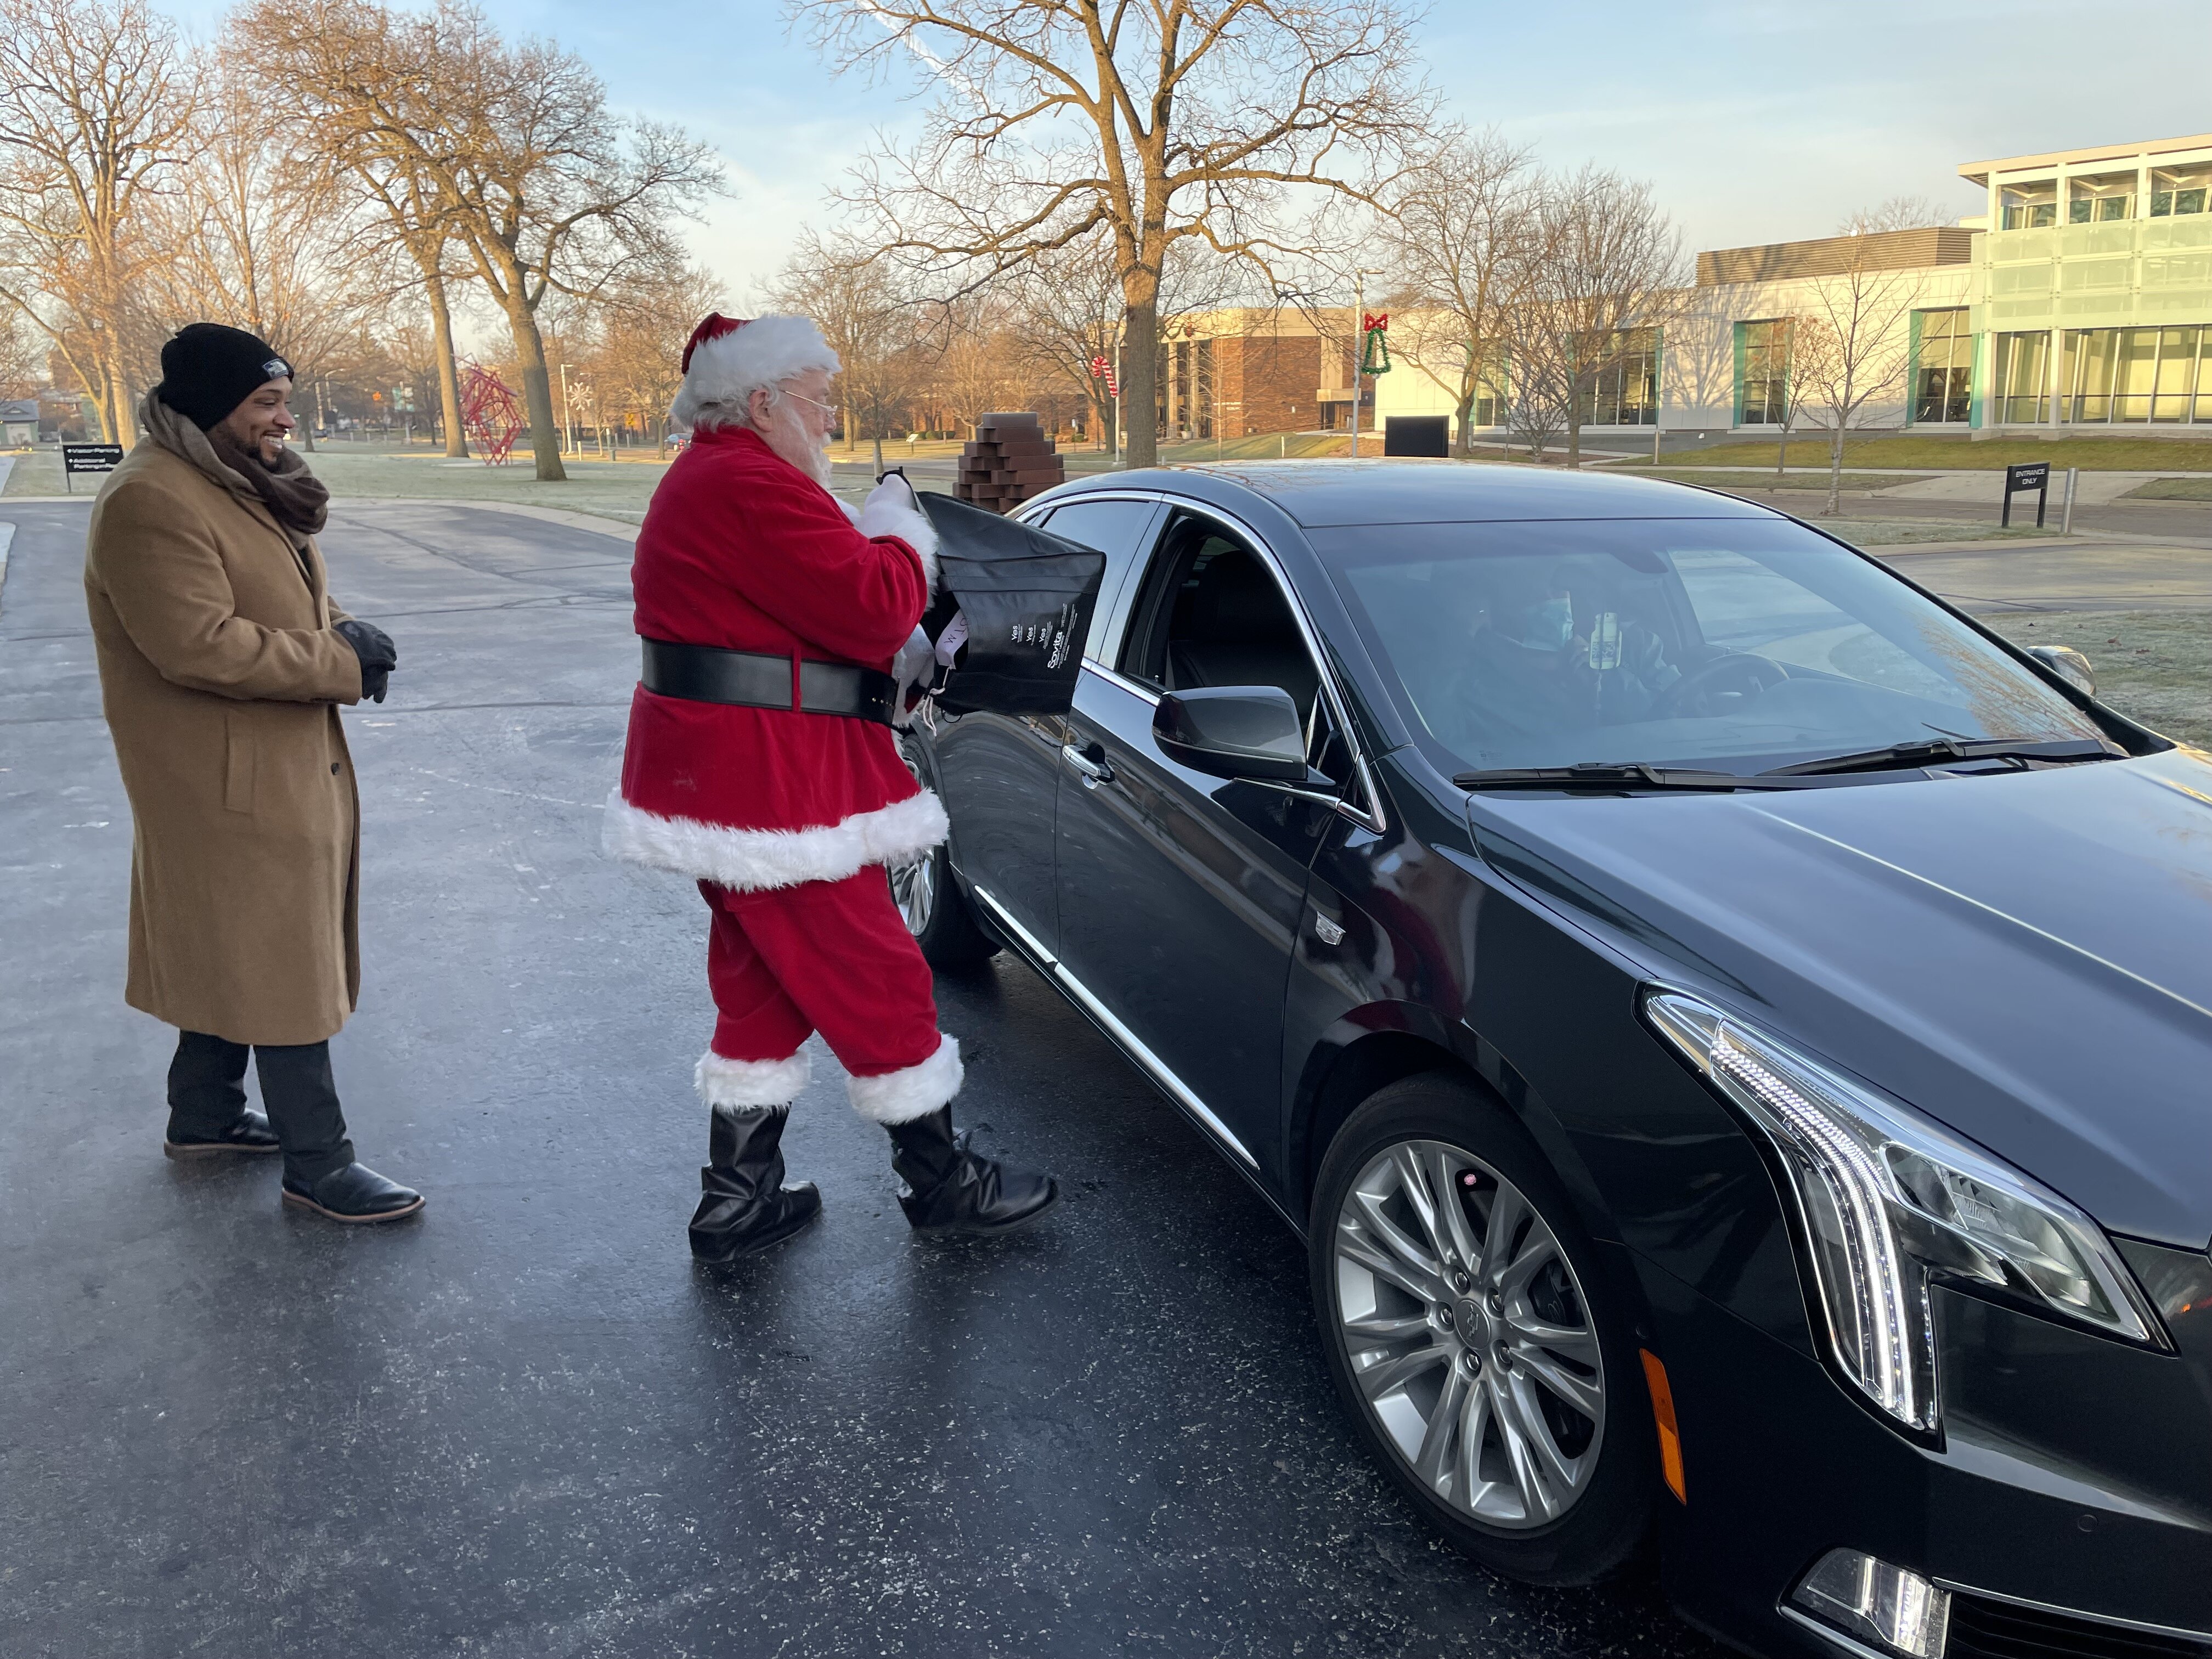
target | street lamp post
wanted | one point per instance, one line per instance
(568, 421)
(1358, 346)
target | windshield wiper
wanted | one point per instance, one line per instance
(1943, 751)
(1612, 775)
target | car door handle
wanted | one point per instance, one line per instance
(1092, 764)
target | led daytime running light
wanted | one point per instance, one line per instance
(1889, 1200)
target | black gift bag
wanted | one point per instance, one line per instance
(1026, 598)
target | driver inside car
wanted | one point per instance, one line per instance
(1529, 674)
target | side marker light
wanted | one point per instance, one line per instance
(1662, 1412)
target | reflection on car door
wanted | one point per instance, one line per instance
(998, 773)
(1179, 894)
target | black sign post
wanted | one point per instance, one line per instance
(2026, 475)
(87, 457)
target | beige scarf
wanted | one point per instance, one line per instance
(295, 498)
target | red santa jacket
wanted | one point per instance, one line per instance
(741, 550)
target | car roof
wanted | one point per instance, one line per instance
(1324, 493)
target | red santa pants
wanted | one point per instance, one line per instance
(833, 957)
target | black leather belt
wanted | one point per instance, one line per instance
(760, 679)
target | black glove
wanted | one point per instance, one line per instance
(379, 656)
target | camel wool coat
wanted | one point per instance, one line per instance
(220, 676)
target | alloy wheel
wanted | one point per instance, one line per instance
(1470, 1341)
(913, 890)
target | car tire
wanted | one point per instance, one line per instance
(1567, 1510)
(937, 912)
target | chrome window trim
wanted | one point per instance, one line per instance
(1369, 813)
(1120, 1034)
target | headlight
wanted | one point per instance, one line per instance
(1890, 1201)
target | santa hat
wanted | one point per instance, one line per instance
(727, 359)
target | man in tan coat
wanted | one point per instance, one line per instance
(221, 665)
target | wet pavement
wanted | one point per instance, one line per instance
(525, 1426)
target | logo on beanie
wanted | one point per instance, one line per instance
(276, 369)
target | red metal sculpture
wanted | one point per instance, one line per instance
(491, 414)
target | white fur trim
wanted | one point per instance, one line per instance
(903, 1096)
(765, 352)
(747, 861)
(893, 509)
(850, 510)
(724, 1082)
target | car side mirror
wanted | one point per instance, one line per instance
(2069, 665)
(1233, 731)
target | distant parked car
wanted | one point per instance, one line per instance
(1732, 1031)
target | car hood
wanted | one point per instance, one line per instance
(2026, 956)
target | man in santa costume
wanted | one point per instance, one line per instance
(761, 762)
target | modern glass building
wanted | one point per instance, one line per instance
(2095, 302)
(2080, 299)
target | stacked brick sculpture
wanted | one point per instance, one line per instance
(1010, 461)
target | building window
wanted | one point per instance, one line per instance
(2022, 364)
(2130, 374)
(2030, 207)
(1943, 371)
(2175, 191)
(2095, 199)
(1627, 389)
(1762, 396)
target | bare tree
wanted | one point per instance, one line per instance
(259, 240)
(1453, 232)
(519, 162)
(644, 321)
(97, 103)
(1064, 310)
(859, 300)
(1600, 272)
(1154, 121)
(1859, 352)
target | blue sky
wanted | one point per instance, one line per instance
(1758, 120)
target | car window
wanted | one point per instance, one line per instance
(1115, 529)
(1730, 643)
(1212, 615)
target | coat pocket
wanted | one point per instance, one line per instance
(237, 761)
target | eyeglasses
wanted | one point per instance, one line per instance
(827, 409)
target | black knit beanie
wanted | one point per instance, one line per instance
(208, 370)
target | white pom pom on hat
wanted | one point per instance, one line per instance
(727, 359)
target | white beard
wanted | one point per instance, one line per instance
(788, 438)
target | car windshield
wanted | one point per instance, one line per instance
(1736, 645)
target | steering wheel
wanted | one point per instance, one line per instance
(1748, 671)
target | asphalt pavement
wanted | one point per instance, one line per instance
(525, 1426)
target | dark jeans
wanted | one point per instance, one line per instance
(206, 1092)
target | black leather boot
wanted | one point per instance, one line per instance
(743, 1206)
(950, 1189)
(249, 1132)
(352, 1193)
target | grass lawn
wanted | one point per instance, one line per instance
(1806, 482)
(2152, 665)
(2172, 489)
(2090, 454)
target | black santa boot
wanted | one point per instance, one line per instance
(951, 1189)
(743, 1206)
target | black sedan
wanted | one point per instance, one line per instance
(1734, 1034)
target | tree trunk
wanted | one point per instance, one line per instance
(537, 392)
(1463, 446)
(1835, 471)
(1140, 354)
(449, 369)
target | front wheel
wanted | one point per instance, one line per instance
(935, 910)
(1462, 1312)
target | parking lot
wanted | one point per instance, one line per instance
(526, 1426)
